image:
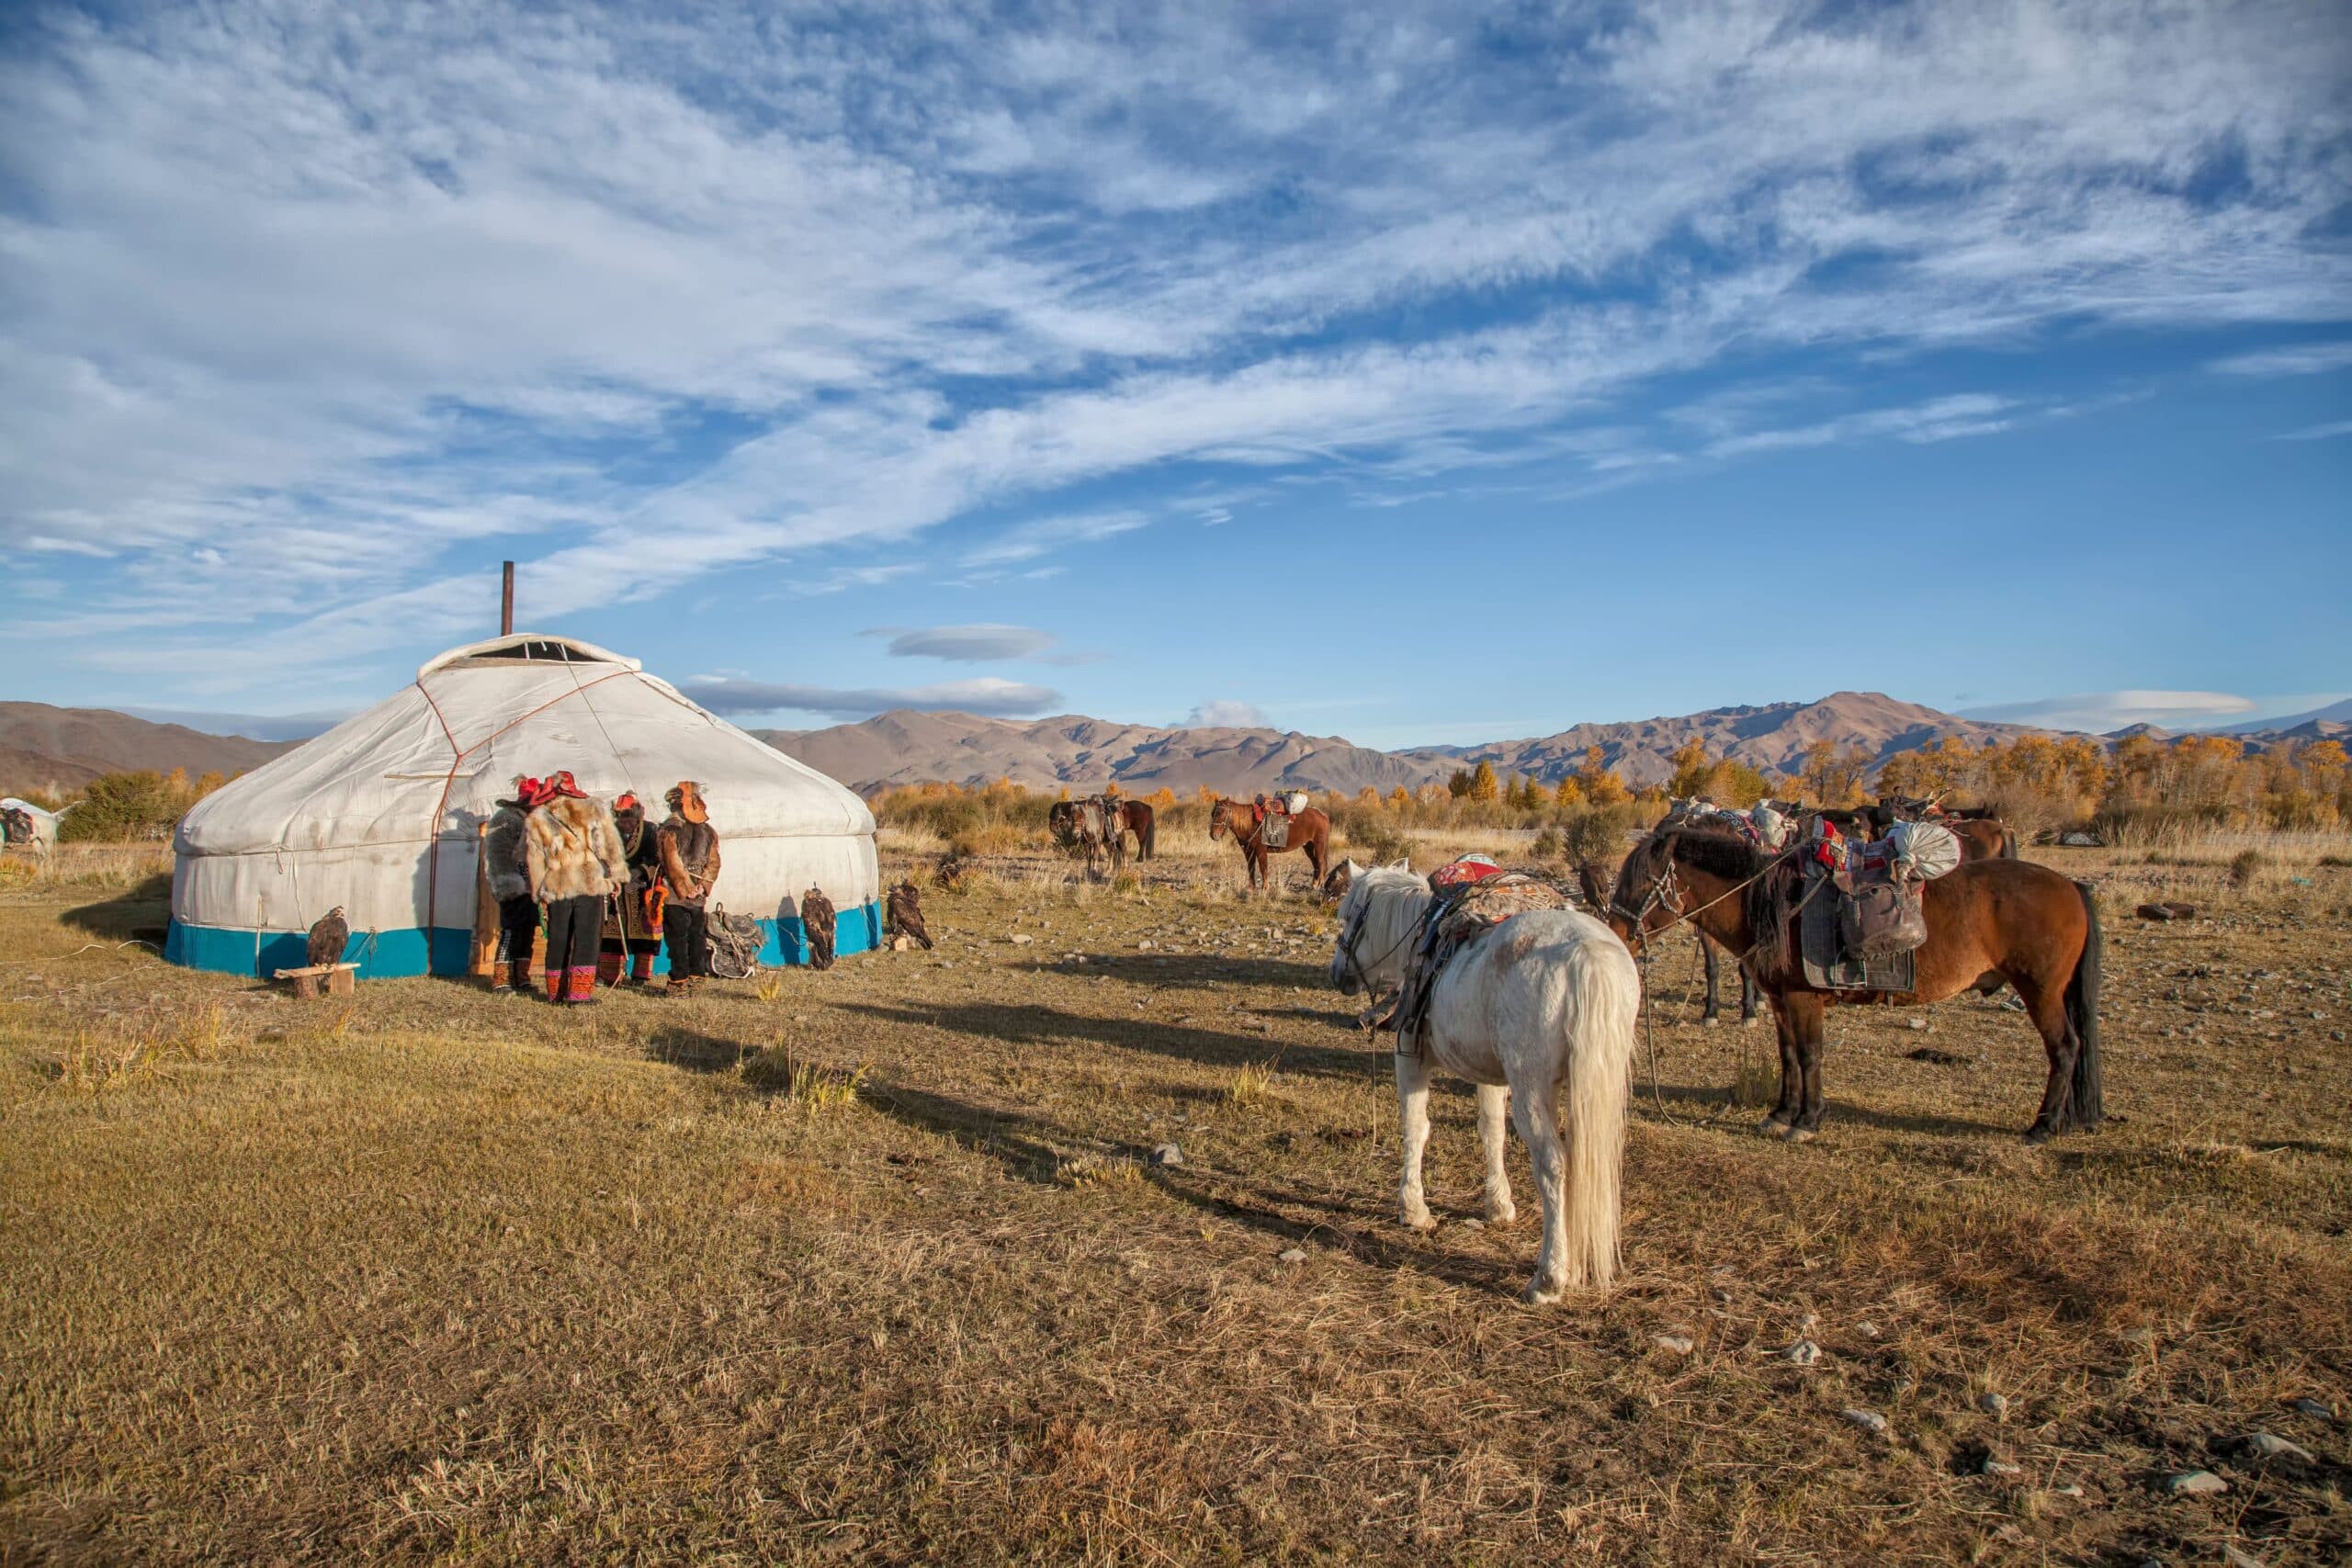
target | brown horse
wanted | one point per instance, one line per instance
(1309, 830)
(1132, 817)
(1988, 921)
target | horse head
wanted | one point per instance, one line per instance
(1221, 819)
(1061, 821)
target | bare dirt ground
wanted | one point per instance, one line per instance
(430, 1276)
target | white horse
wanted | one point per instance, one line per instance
(1543, 1003)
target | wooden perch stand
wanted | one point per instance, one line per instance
(320, 980)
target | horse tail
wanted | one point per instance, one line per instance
(1147, 840)
(1605, 996)
(2009, 842)
(2082, 1016)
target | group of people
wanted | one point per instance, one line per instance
(611, 890)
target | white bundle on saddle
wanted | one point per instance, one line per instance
(1923, 851)
(1771, 826)
(1293, 801)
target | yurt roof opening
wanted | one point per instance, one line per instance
(383, 813)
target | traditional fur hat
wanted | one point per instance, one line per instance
(684, 798)
(563, 784)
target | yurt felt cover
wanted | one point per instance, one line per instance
(381, 813)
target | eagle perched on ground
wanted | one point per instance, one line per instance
(817, 921)
(904, 915)
(328, 937)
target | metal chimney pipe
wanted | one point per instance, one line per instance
(507, 603)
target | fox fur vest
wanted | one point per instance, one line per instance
(574, 849)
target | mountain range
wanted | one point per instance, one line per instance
(51, 748)
(45, 748)
(957, 748)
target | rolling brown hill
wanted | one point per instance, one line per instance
(958, 748)
(52, 748)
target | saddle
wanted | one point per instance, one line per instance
(1864, 911)
(1465, 908)
(1274, 826)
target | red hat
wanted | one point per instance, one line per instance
(627, 801)
(562, 784)
(529, 793)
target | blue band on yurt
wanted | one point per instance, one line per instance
(388, 955)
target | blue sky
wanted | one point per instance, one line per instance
(1415, 374)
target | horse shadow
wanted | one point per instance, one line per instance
(1030, 1148)
(1732, 1117)
(1026, 1023)
(139, 913)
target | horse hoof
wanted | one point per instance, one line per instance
(2037, 1135)
(1802, 1134)
(1774, 1127)
(1539, 1294)
(1424, 1221)
(1750, 1021)
(1709, 1022)
(1499, 1218)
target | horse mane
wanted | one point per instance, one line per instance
(1770, 881)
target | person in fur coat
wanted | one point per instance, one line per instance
(689, 851)
(576, 862)
(510, 883)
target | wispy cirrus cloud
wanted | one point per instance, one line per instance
(451, 282)
(2303, 359)
(1227, 712)
(985, 695)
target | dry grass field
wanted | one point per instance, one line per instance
(873, 1265)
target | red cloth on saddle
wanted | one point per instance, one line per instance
(1460, 872)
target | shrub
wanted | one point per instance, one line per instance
(2245, 867)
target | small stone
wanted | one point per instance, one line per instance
(1673, 1344)
(1920, 1024)
(1866, 1329)
(1868, 1420)
(1473, 1224)
(1166, 1154)
(1994, 1404)
(2309, 1406)
(1293, 1256)
(2269, 1445)
(1804, 1353)
(2069, 1489)
(1144, 946)
(1021, 938)
(1993, 1466)
(2196, 1484)
(2236, 1558)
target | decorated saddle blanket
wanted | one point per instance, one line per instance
(1465, 908)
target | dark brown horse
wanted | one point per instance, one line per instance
(1988, 921)
(1309, 830)
(1087, 825)
(1134, 817)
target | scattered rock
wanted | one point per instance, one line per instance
(1144, 946)
(2236, 1558)
(1293, 1256)
(1166, 1154)
(1919, 1024)
(1866, 1329)
(2069, 1489)
(1994, 1404)
(1473, 1224)
(1869, 1421)
(1940, 1058)
(2167, 912)
(1021, 938)
(2269, 1445)
(2196, 1484)
(1993, 1465)
(1674, 1344)
(2309, 1406)
(1804, 1353)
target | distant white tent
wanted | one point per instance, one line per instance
(381, 813)
(44, 822)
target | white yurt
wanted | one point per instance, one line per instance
(382, 814)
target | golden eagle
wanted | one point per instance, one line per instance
(329, 937)
(904, 916)
(817, 922)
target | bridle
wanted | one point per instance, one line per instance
(1352, 933)
(1668, 887)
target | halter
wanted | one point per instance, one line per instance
(1354, 932)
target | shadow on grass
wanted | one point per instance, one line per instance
(1728, 1117)
(1195, 970)
(1030, 1148)
(1029, 1025)
(143, 912)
